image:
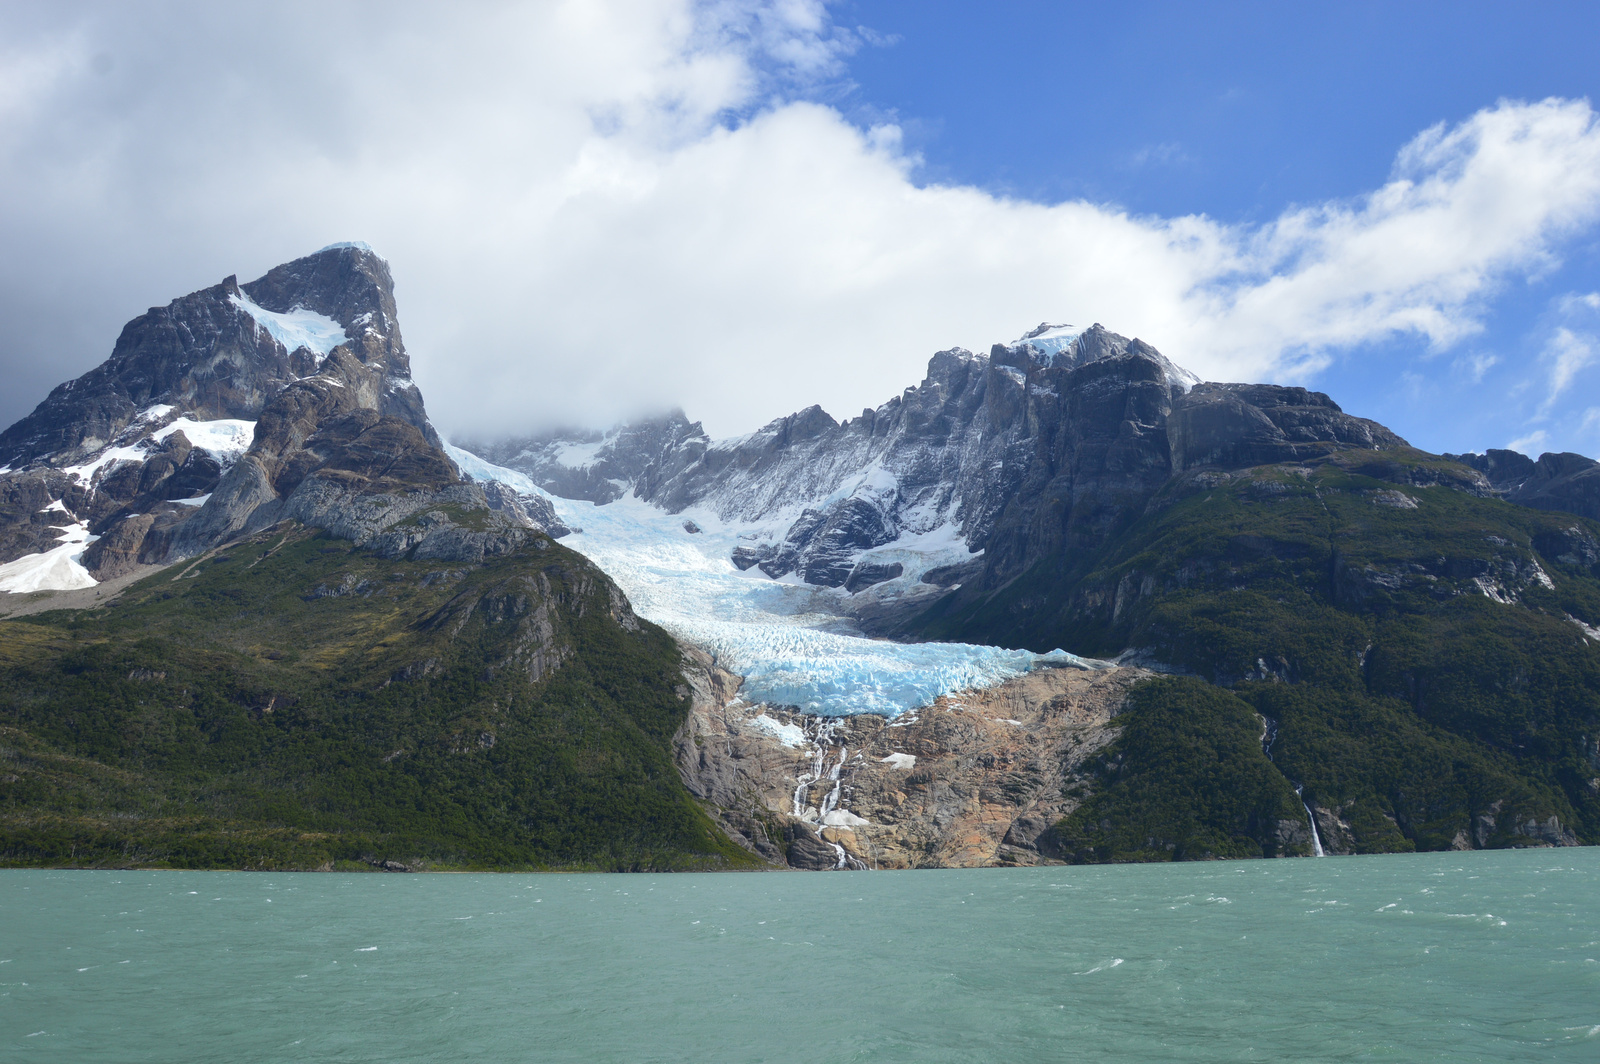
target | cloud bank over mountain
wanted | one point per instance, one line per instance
(593, 209)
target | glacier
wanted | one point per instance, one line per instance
(794, 643)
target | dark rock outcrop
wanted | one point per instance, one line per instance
(1566, 482)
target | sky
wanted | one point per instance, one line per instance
(598, 209)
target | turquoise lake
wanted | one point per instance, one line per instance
(1447, 957)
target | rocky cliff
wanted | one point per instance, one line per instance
(974, 780)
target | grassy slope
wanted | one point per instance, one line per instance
(298, 703)
(1408, 700)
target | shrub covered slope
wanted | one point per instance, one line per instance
(1425, 657)
(294, 701)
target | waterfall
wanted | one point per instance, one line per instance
(822, 734)
(1269, 735)
(1316, 840)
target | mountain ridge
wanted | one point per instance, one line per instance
(1418, 631)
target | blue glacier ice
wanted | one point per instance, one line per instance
(793, 643)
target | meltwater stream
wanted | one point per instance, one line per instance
(1460, 957)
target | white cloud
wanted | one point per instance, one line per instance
(1532, 444)
(1474, 366)
(1567, 353)
(592, 208)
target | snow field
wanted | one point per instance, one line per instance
(61, 568)
(57, 569)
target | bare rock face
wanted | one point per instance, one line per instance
(1567, 482)
(976, 779)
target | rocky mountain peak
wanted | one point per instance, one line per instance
(225, 411)
(1063, 346)
(224, 352)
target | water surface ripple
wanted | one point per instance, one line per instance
(1458, 957)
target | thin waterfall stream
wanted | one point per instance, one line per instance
(1269, 735)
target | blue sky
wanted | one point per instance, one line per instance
(597, 208)
(1238, 111)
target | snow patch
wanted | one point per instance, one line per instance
(57, 569)
(901, 761)
(110, 456)
(296, 327)
(359, 245)
(577, 455)
(787, 734)
(226, 439)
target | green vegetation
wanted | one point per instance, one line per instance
(1359, 613)
(1186, 780)
(294, 702)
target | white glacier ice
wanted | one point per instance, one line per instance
(482, 471)
(295, 328)
(1050, 340)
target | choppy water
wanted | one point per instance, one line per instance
(1476, 957)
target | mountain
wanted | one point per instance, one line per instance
(1397, 647)
(1093, 609)
(220, 414)
(1037, 447)
(330, 648)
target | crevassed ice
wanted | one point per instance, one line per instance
(296, 328)
(791, 641)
